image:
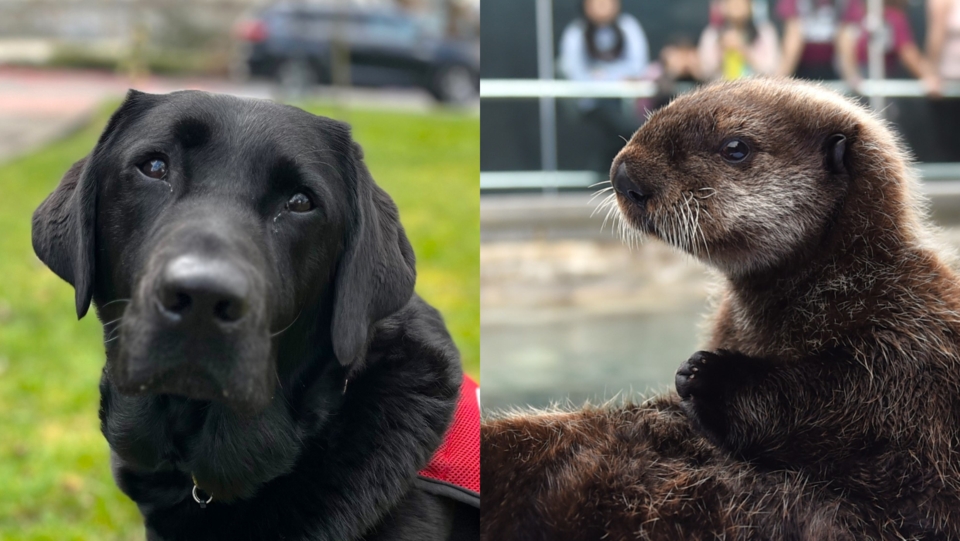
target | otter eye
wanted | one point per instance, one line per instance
(299, 203)
(734, 151)
(154, 168)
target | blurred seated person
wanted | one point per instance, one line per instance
(680, 60)
(737, 46)
(900, 47)
(943, 43)
(943, 56)
(811, 30)
(605, 45)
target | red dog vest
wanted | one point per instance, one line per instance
(454, 470)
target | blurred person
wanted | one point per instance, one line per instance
(432, 21)
(606, 45)
(943, 43)
(736, 46)
(463, 20)
(810, 32)
(680, 60)
(943, 55)
(900, 47)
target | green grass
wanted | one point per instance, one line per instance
(55, 482)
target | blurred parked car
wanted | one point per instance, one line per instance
(296, 44)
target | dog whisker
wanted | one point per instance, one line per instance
(288, 326)
(112, 322)
(115, 301)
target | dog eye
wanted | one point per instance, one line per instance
(734, 151)
(154, 168)
(299, 203)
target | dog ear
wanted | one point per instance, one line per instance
(377, 271)
(64, 225)
(63, 233)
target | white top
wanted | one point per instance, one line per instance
(575, 61)
(950, 57)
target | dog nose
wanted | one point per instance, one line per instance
(627, 187)
(202, 291)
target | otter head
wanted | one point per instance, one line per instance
(749, 175)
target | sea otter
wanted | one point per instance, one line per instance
(834, 362)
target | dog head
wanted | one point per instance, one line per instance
(202, 226)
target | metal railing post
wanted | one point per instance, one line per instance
(875, 52)
(545, 70)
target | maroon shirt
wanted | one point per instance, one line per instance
(896, 35)
(821, 21)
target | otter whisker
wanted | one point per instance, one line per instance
(680, 219)
(688, 236)
(712, 193)
(599, 208)
(694, 222)
(636, 236)
(703, 236)
(601, 183)
(619, 219)
(623, 230)
(611, 208)
(677, 216)
(598, 193)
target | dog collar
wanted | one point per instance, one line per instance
(196, 496)
(196, 491)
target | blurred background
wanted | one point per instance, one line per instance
(567, 312)
(405, 74)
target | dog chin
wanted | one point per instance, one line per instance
(240, 375)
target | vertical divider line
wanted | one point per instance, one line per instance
(545, 70)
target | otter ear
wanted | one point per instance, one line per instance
(377, 270)
(837, 153)
(64, 224)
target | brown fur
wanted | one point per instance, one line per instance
(833, 377)
(640, 472)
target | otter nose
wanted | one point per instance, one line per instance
(627, 187)
(199, 292)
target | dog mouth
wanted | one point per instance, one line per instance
(186, 380)
(238, 370)
(197, 328)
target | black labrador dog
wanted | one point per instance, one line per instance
(270, 372)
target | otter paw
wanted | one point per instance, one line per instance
(699, 376)
(704, 383)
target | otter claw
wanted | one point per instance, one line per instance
(687, 383)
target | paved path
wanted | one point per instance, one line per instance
(37, 105)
